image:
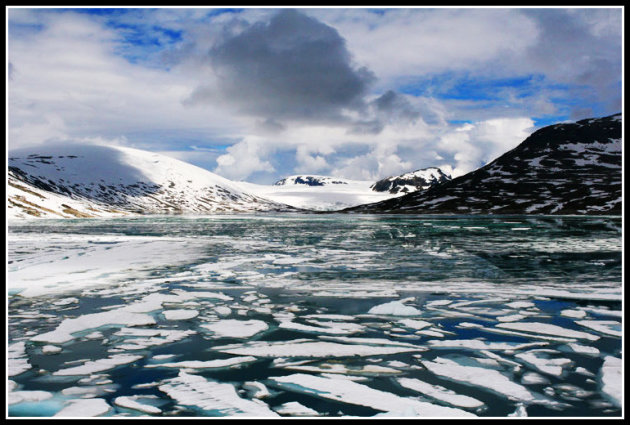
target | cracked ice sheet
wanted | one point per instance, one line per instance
(218, 398)
(309, 348)
(90, 261)
(346, 391)
(131, 315)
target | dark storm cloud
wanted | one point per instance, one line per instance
(572, 50)
(290, 68)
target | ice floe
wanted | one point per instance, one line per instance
(16, 359)
(231, 328)
(394, 308)
(293, 408)
(180, 314)
(256, 389)
(206, 364)
(541, 360)
(330, 327)
(547, 329)
(131, 402)
(84, 408)
(310, 348)
(15, 397)
(611, 379)
(476, 344)
(479, 377)
(351, 392)
(99, 365)
(440, 393)
(216, 398)
(607, 327)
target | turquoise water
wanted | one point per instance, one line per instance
(315, 278)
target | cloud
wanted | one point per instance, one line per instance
(291, 68)
(474, 145)
(245, 158)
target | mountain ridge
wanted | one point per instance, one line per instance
(566, 168)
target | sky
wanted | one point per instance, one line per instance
(258, 94)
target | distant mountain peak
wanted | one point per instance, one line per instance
(421, 179)
(309, 180)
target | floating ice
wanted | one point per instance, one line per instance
(309, 348)
(130, 402)
(583, 349)
(256, 389)
(334, 328)
(179, 314)
(414, 324)
(346, 391)
(532, 378)
(16, 359)
(479, 377)
(223, 310)
(394, 308)
(336, 368)
(293, 408)
(521, 304)
(236, 328)
(16, 397)
(541, 361)
(51, 349)
(547, 329)
(217, 398)
(98, 365)
(611, 379)
(607, 327)
(143, 338)
(208, 364)
(84, 408)
(476, 344)
(578, 314)
(440, 393)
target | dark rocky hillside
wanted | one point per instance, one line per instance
(569, 168)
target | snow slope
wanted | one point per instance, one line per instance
(321, 193)
(108, 180)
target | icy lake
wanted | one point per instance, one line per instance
(315, 315)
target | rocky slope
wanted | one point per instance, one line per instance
(567, 168)
(411, 182)
(71, 180)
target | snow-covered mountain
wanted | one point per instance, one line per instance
(321, 193)
(568, 168)
(310, 180)
(410, 182)
(72, 180)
